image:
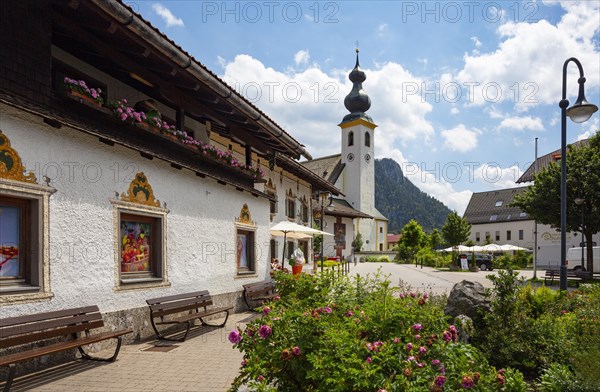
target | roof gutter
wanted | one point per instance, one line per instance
(137, 25)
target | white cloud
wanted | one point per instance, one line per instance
(493, 112)
(309, 103)
(301, 57)
(496, 177)
(476, 42)
(526, 66)
(454, 110)
(522, 123)
(382, 29)
(460, 138)
(167, 15)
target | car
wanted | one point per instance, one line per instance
(485, 262)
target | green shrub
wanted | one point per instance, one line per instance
(327, 334)
(556, 378)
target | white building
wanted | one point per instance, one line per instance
(353, 172)
(97, 207)
(493, 220)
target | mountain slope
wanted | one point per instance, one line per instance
(400, 200)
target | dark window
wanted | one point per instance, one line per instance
(350, 138)
(273, 245)
(289, 249)
(290, 210)
(367, 139)
(521, 234)
(487, 235)
(508, 235)
(140, 244)
(245, 254)
(304, 213)
(477, 237)
(497, 236)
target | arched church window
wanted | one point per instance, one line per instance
(350, 138)
(367, 139)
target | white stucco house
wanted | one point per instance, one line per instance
(128, 170)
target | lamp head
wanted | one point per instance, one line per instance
(582, 110)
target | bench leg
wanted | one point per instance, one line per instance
(11, 375)
(163, 337)
(246, 300)
(111, 359)
(214, 325)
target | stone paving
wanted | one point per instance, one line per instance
(206, 361)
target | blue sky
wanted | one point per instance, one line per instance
(460, 90)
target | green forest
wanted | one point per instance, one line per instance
(400, 200)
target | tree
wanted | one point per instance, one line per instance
(435, 239)
(542, 200)
(455, 231)
(413, 236)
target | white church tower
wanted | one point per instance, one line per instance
(358, 156)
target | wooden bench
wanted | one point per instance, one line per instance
(259, 292)
(196, 304)
(70, 326)
(572, 275)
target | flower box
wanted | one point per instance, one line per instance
(84, 99)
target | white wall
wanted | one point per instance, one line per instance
(86, 175)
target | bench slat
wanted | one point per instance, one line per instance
(47, 315)
(48, 334)
(194, 316)
(37, 352)
(170, 298)
(165, 309)
(47, 324)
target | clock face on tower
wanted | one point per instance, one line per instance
(350, 157)
(367, 158)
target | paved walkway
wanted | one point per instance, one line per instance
(206, 361)
(429, 279)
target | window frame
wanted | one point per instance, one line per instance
(350, 139)
(250, 269)
(521, 234)
(508, 235)
(35, 284)
(159, 277)
(367, 139)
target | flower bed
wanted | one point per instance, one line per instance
(342, 335)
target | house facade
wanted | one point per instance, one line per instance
(493, 220)
(128, 170)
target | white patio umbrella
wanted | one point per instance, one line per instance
(293, 230)
(509, 247)
(459, 248)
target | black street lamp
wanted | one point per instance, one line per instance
(580, 112)
(581, 202)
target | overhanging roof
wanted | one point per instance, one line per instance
(117, 40)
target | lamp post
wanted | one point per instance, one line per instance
(580, 112)
(581, 202)
(322, 236)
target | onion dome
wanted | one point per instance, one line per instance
(357, 101)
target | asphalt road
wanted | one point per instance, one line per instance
(427, 279)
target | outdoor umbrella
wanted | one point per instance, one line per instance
(509, 247)
(293, 230)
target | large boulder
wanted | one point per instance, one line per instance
(467, 298)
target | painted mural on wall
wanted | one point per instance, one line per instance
(9, 242)
(135, 246)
